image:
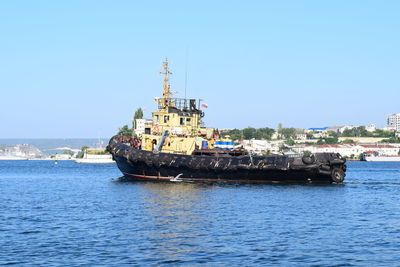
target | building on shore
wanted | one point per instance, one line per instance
(143, 126)
(350, 150)
(340, 129)
(19, 151)
(262, 146)
(393, 122)
(371, 128)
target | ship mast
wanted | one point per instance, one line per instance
(166, 99)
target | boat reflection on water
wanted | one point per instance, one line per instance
(177, 212)
(179, 217)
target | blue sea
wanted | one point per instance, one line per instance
(70, 214)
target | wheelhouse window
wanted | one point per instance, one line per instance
(166, 119)
(182, 121)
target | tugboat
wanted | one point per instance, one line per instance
(177, 148)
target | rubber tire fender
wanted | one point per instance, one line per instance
(308, 159)
(337, 175)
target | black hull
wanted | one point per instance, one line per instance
(143, 165)
(144, 172)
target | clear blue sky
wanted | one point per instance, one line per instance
(81, 68)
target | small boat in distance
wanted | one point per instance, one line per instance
(95, 156)
(375, 156)
(175, 147)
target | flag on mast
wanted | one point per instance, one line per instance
(204, 105)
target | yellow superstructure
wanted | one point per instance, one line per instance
(179, 120)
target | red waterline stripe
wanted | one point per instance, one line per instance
(181, 179)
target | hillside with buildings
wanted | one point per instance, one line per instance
(348, 140)
(19, 152)
(54, 149)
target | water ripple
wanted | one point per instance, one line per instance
(77, 214)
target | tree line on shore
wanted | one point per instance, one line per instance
(129, 132)
(289, 134)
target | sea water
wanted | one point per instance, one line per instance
(73, 214)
